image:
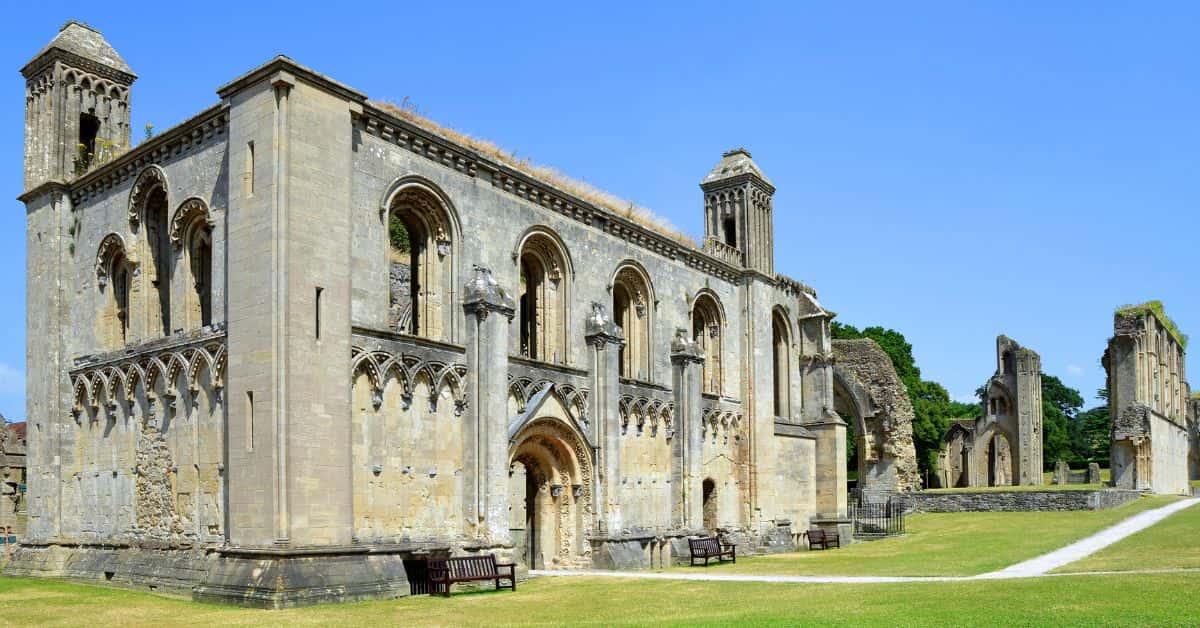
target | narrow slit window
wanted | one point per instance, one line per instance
(317, 312)
(248, 175)
(249, 420)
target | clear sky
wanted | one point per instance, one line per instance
(952, 170)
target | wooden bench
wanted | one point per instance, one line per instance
(444, 572)
(820, 539)
(711, 547)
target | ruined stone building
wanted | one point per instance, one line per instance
(1194, 431)
(1003, 446)
(287, 350)
(12, 476)
(1148, 399)
(870, 397)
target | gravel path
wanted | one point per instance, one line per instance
(1033, 568)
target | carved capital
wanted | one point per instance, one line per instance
(483, 294)
(684, 350)
(600, 330)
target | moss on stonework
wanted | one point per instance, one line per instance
(1156, 308)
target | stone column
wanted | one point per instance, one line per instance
(489, 311)
(823, 422)
(687, 361)
(605, 339)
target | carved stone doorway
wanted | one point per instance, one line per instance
(550, 496)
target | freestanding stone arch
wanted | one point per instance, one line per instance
(869, 395)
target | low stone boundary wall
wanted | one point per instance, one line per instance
(1018, 501)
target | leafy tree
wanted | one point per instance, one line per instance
(932, 407)
(398, 234)
(1061, 437)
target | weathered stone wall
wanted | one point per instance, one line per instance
(883, 416)
(1151, 444)
(1017, 501)
(1169, 448)
(330, 429)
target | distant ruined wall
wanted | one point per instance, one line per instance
(1018, 501)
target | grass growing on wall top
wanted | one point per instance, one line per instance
(575, 187)
(1156, 308)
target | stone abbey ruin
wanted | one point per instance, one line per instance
(290, 349)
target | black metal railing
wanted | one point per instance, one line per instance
(876, 515)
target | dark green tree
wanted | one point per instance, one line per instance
(933, 409)
(1061, 436)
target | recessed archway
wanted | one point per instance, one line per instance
(550, 495)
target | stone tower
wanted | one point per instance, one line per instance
(77, 92)
(738, 225)
(76, 104)
(1009, 436)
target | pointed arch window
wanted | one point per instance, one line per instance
(632, 298)
(113, 273)
(420, 230)
(781, 372)
(149, 211)
(192, 231)
(544, 282)
(708, 325)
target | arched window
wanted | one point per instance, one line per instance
(781, 373)
(112, 277)
(545, 275)
(148, 205)
(420, 235)
(707, 330)
(729, 230)
(631, 310)
(191, 230)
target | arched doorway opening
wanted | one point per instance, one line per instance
(550, 496)
(999, 460)
(710, 505)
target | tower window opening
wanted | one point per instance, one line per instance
(729, 231)
(89, 127)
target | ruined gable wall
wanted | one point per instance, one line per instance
(890, 430)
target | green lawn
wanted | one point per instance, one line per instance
(946, 544)
(1071, 600)
(1173, 543)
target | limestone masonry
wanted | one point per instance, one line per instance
(289, 349)
(1003, 446)
(1153, 434)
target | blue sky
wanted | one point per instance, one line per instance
(952, 170)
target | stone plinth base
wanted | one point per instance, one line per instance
(283, 578)
(842, 526)
(661, 550)
(173, 568)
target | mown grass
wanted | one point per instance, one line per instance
(946, 544)
(1173, 543)
(1099, 600)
